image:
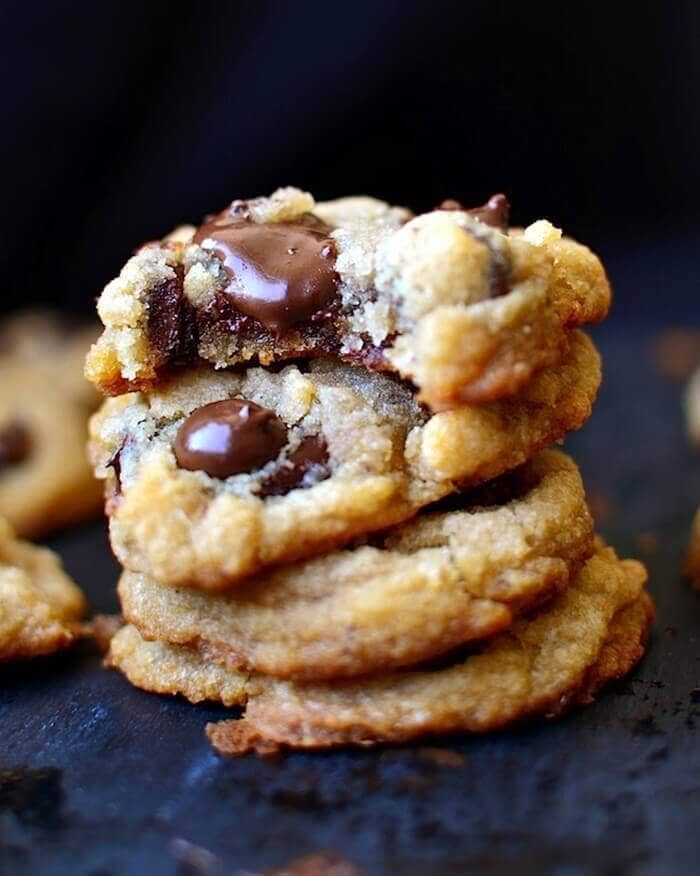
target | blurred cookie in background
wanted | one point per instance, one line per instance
(692, 408)
(692, 414)
(54, 343)
(45, 402)
(40, 606)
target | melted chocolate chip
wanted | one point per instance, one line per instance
(499, 279)
(171, 322)
(495, 212)
(15, 444)
(229, 437)
(312, 452)
(281, 273)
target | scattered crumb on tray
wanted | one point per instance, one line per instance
(676, 352)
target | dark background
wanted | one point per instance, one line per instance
(121, 120)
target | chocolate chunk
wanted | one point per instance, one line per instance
(312, 452)
(15, 444)
(171, 322)
(229, 437)
(499, 278)
(114, 495)
(281, 273)
(495, 212)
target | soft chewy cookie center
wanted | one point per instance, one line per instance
(280, 273)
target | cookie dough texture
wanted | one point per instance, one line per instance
(40, 607)
(416, 592)
(43, 392)
(591, 633)
(416, 296)
(387, 458)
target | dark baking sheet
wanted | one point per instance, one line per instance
(98, 778)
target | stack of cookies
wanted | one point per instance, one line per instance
(327, 477)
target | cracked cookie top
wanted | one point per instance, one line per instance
(452, 300)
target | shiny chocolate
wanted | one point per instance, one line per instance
(312, 453)
(229, 437)
(495, 212)
(280, 273)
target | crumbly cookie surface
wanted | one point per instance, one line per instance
(45, 479)
(40, 607)
(593, 632)
(450, 300)
(382, 458)
(416, 592)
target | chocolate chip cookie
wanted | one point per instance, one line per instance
(40, 607)
(453, 300)
(595, 631)
(54, 344)
(218, 475)
(446, 578)
(45, 478)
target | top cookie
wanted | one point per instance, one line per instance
(452, 300)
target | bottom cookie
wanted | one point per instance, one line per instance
(40, 607)
(591, 634)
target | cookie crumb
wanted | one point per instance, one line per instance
(317, 864)
(193, 860)
(103, 627)
(601, 506)
(676, 352)
(441, 757)
(648, 542)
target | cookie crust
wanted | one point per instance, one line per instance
(592, 633)
(40, 607)
(415, 297)
(422, 589)
(387, 458)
